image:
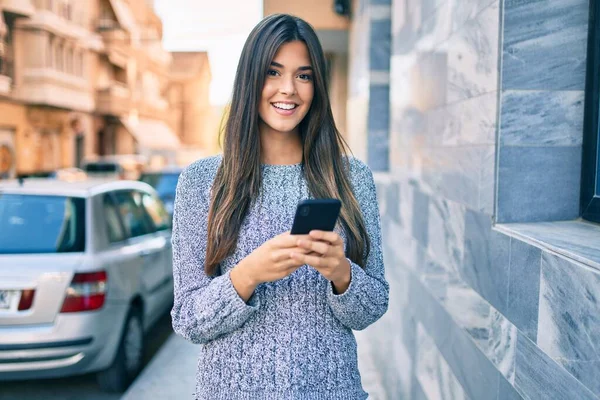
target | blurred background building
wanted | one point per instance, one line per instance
(91, 78)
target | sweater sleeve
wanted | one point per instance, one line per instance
(204, 307)
(366, 299)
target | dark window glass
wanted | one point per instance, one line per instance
(41, 224)
(165, 184)
(155, 209)
(135, 220)
(92, 168)
(590, 175)
(113, 222)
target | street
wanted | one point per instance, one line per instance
(81, 387)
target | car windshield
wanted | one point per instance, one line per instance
(41, 224)
(165, 184)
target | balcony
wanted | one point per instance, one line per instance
(114, 100)
(54, 88)
(48, 21)
(115, 41)
(22, 8)
(152, 107)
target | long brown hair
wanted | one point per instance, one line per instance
(325, 168)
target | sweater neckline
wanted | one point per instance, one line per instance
(281, 167)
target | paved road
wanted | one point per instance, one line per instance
(81, 387)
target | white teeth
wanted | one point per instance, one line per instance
(285, 106)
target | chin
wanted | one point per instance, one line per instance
(283, 128)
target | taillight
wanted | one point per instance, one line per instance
(87, 292)
(26, 299)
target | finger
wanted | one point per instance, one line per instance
(288, 256)
(316, 246)
(289, 265)
(331, 237)
(313, 260)
(285, 254)
(286, 241)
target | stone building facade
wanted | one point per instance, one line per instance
(494, 274)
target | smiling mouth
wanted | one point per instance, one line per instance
(285, 106)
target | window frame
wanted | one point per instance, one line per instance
(160, 204)
(146, 218)
(590, 192)
(110, 198)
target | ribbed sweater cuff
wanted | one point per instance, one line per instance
(228, 305)
(230, 292)
(353, 292)
(283, 395)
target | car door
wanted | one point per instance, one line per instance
(115, 252)
(145, 244)
(161, 220)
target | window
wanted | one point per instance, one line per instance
(50, 51)
(590, 176)
(120, 74)
(114, 228)
(59, 61)
(7, 56)
(69, 63)
(135, 219)
(41, 224)
(81, 63)
(160, 217)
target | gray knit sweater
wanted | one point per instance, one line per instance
(293, 339)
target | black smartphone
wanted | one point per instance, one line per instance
(316, 214)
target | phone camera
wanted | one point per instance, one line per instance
(304, 211)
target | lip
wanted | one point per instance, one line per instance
(285, 113)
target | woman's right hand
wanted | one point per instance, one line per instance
(269, 262)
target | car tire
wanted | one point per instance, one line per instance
(128, 360)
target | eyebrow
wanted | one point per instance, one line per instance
(303, 68)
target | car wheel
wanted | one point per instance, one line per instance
(128, 361)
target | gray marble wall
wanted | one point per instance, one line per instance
(486, 110)
(543, 81)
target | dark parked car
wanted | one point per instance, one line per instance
(164, 182)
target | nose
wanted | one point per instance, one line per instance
(288, 86)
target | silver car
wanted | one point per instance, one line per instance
(85, 270)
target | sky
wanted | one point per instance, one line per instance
(217, 26)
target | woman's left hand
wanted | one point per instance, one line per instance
(327, 256)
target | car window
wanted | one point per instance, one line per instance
(133, 215)
(160, 217)
(113, 222)
(41, 224)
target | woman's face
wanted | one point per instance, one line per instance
(288, 90)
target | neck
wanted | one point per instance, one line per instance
(280, 148)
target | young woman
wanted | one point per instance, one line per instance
(274, 312)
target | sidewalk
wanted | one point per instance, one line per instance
(171, 373)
